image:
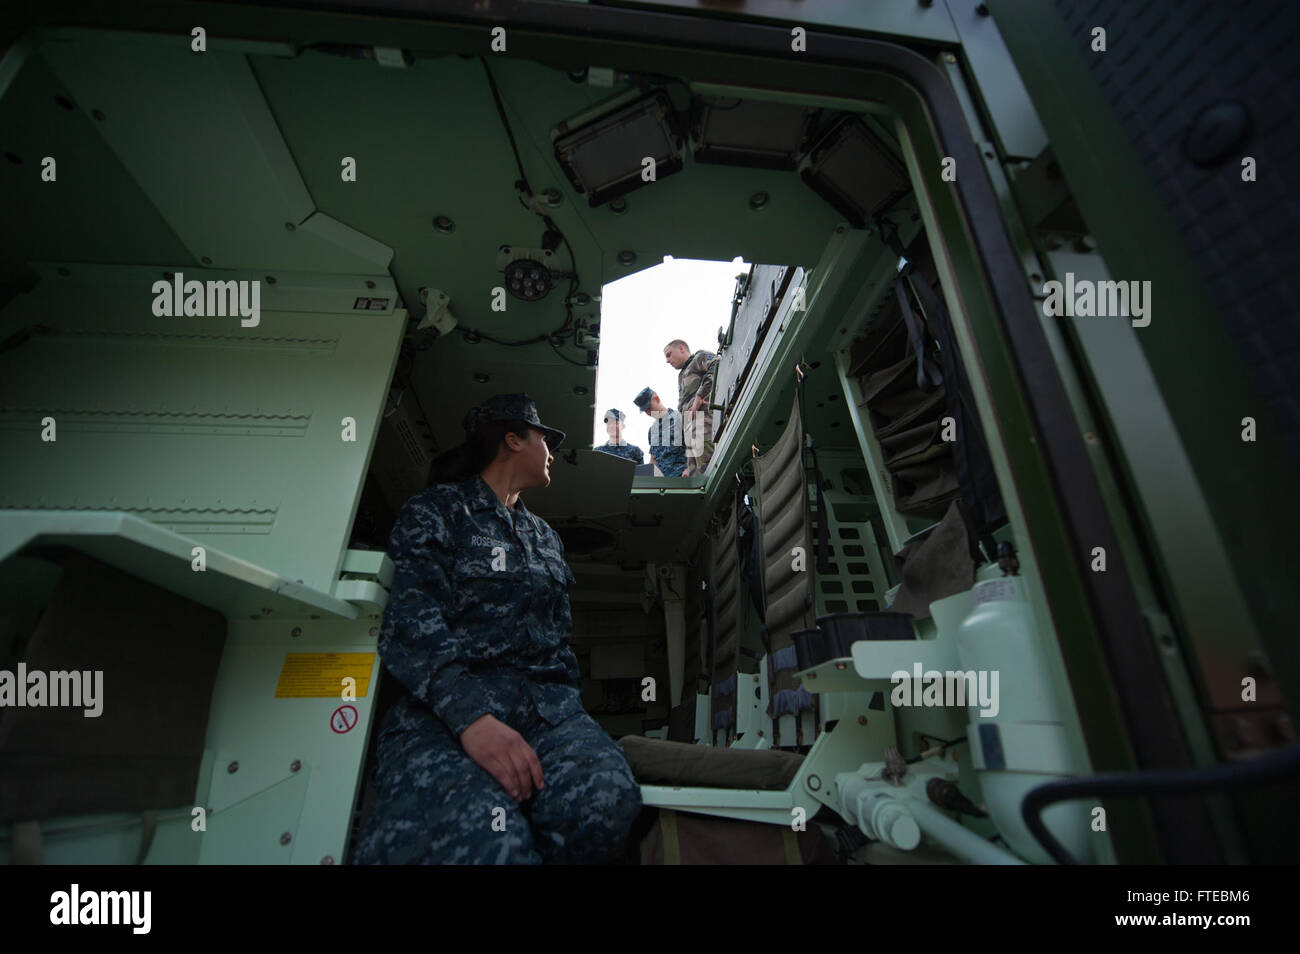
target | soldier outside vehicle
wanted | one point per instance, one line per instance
(667, 446)
(614, 421)
(694, 393)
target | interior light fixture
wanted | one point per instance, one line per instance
(853, 170)
(751, 132)
(528, 272)
(606, 157)
(528, 280)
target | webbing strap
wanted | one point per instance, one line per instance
(806, 446)
(928, 376)
(976, 517)
(672, 847)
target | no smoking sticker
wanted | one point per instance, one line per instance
(343, 719)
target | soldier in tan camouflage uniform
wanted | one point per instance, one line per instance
(694, 393)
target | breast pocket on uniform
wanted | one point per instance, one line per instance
(488, 581)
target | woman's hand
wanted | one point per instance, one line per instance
(502, 752)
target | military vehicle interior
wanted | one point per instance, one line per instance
(432, 224)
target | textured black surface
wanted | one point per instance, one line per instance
(1194, 59)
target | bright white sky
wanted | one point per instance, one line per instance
(681, 298)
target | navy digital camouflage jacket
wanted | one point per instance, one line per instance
(479, 610)
(629, 451)
(667, 444)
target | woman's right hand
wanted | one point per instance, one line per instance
(502, 752)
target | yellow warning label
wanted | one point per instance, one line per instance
(323, 675)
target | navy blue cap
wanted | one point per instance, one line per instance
(614, 413)
(510, 407)
(642, 400)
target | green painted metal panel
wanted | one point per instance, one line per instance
(231, 436)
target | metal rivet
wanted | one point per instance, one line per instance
(296, 631)
(270, 279)
(950, 58)
(627, 257)
(232, 768)
(445, 225)
(295, 765)
(374, 630)
(814, 783)
(286, 838)
(327, 860)
(759, 200)
(289, 226)
(1217, 133)
(206, 260)
(618, 206)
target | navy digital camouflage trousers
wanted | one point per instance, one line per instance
(437, 806)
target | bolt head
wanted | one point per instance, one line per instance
(1218, 132)
(232, 768)
(286, 838)
(295, 765)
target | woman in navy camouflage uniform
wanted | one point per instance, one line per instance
(489, 756)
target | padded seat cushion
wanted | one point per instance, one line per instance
(659, 762)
